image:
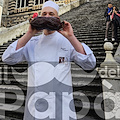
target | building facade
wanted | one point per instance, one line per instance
(17, 11)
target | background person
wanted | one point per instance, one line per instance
(109, 23)
(116, 21)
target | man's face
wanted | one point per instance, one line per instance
(49, 12)
(110, 5)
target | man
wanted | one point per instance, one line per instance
(109, 22)
(49, 76)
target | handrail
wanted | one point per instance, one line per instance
(13, 32)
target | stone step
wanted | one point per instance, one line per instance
(95, 36)
(22, 74)
(8, 118)
(93, 42)
(83, 74)
(91, 114)
(13, 81)
(84, 28)
(6, 45)
(12, 112)
(82, 94)
(89, 31)
(18, 67)
(100, 49)
(14, 115)
(79, 34)
(90, 111)
(95, 45)
(90, 39)
(90, 87)
(10, 98)
(89, 108)
(87, 117)
(12, 88)
(83, 85)
(92, 35)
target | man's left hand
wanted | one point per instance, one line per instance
(67, 30)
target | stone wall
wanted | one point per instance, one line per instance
(4, 13)
(5, 8)
(1, 9)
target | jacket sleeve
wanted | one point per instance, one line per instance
(106, 14)
(112, 15)
(12, 56)
(87, 62)
(118, 14)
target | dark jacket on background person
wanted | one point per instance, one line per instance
(116, 22)
(116, 19)
(106, 14)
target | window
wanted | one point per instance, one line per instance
(37, 2)
(21, 3)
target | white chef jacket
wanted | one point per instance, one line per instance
(49, 76)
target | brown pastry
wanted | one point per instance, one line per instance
(49, 23)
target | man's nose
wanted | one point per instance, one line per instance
(47, 15)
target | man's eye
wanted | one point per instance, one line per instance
(43, 14)
(51, 14)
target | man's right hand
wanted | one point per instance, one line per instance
(25, 38)
(109, 13)
(32, 31)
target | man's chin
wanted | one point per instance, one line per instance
(46, 31)
(50, 30)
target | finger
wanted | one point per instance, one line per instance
(66, 23)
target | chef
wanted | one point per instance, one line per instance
(49, 92)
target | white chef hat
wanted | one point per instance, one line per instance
(51, 4)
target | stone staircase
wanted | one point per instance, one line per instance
(89, 27)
